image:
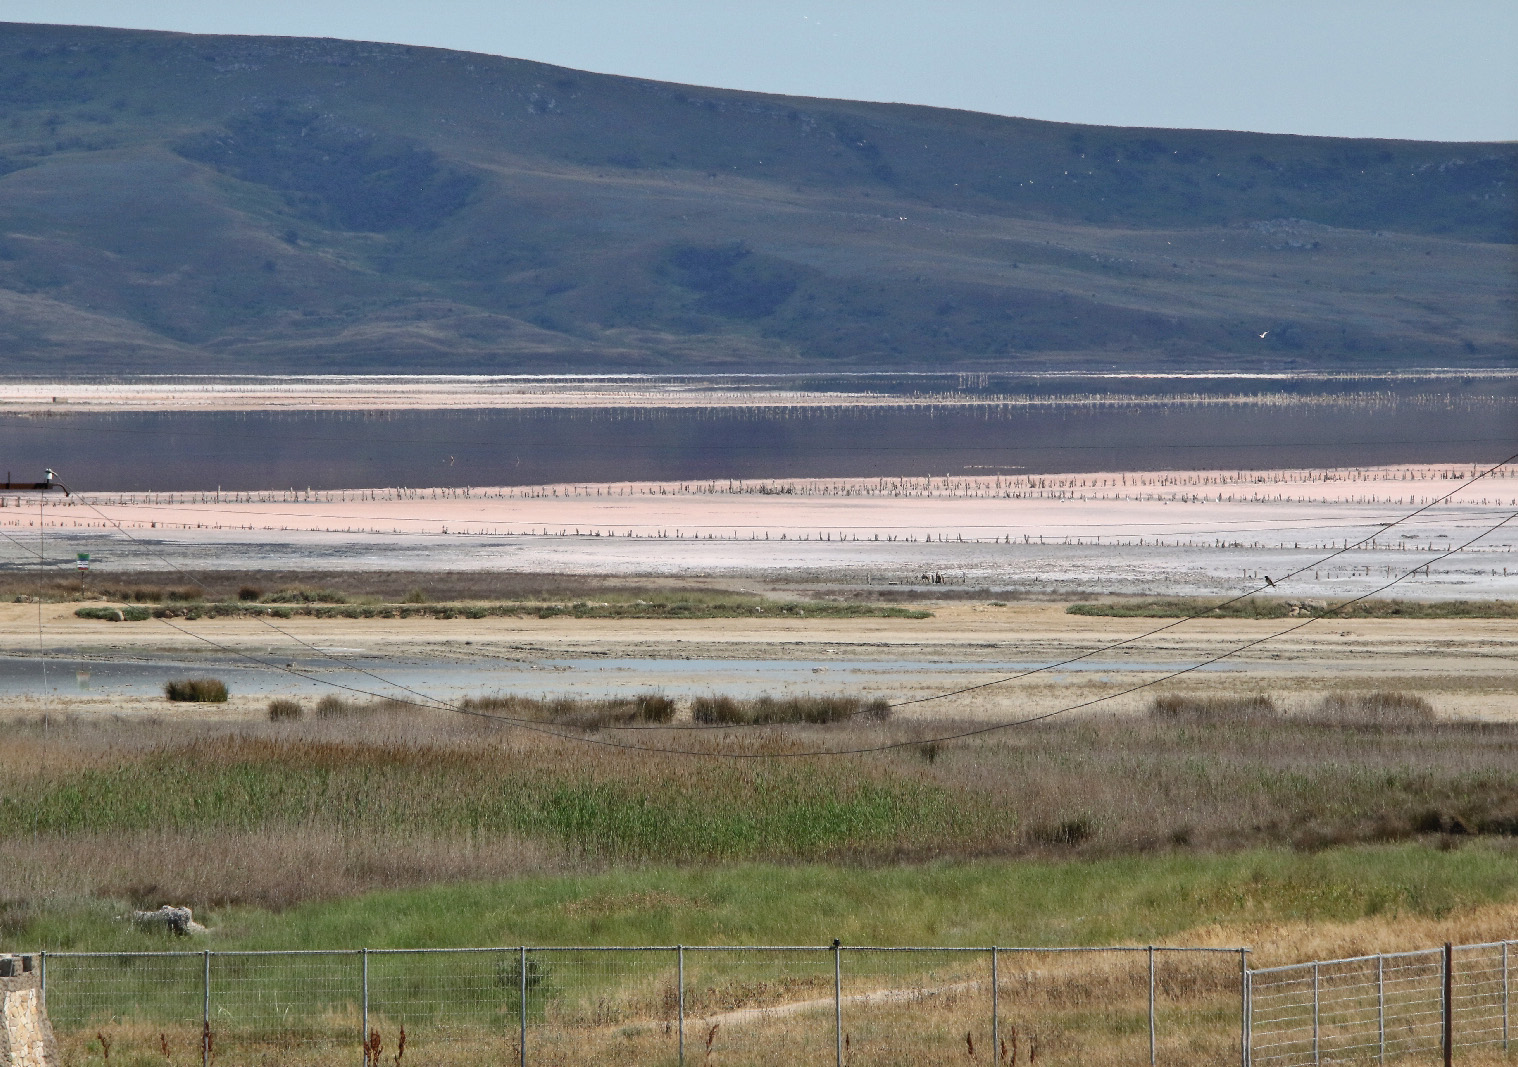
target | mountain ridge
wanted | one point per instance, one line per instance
(172, 201)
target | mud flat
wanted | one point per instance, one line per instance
(1467, 667)
(1156, 533)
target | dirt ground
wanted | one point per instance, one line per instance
(1468, 668)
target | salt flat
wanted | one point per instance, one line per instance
(1160, 533)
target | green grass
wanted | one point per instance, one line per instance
(1134, 900)
(1269, 608)
(695, 813)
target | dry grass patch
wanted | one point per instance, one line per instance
(768, 710)
(1213, 709)
(1380, 708)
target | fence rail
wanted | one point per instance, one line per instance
(673, 1005)
(768, 1004)
(1383, 1008)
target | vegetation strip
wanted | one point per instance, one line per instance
(741, 609)
(1263, 608)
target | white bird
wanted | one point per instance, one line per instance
(1262, 336)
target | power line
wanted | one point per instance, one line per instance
(1380, 531)
(535, 727)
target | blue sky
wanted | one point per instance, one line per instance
(1427, 69)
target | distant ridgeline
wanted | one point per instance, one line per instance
(188, 203)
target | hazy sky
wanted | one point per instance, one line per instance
(1434, 69)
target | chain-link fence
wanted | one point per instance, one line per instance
(1396, 1006)
(675, 1005)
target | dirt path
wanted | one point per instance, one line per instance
(874, 998)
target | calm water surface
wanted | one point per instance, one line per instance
(1118, 425)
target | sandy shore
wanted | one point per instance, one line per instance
(1166, 532)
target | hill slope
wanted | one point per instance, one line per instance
(176, 202)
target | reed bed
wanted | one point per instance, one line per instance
(388, 774)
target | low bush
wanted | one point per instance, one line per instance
(650, 708)
(283, 710)
(125, 613)
(1382, 708)
(250, 592)
(333, 706)
(196, 690)
(1173, 707)
(767, 710)
(298, 595)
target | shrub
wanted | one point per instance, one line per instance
(188, 593)
(1175, 708)
(297, 595)
(767, 710)
(1067, 832)
(196, 690)
(125, 613)
(282, 710)
(333, 706)
(1381, 708)
(584, 714)
(250, 592)
(655, 707)
(715, 709)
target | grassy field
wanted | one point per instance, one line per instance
(1170, 898)
(1354, 825)
(278, 814)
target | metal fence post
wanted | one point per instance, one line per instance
(680, 996)
(1505, 995)
(1316, 1057)
(1449, 1003)
(1246, 1009)
(1381, 1009)
(838, 1001)
(1151, 1006)
(995, 1008)
(522, 1006)
(364, 1034)
(42, 969)
(205, 1011)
